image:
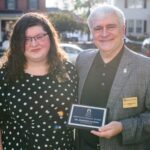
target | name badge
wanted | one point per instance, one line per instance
(130, 102)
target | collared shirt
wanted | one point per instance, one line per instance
(96, 91)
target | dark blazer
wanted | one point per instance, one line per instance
(132, 80)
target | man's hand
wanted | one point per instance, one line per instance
(109, 130)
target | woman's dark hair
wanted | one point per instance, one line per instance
(16, 61)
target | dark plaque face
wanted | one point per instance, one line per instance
(82, 116)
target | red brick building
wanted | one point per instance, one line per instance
(10, 10)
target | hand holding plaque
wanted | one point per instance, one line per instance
(83, 116)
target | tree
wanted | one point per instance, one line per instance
(66, 22)
(84, 6)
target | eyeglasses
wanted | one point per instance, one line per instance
(38, 38)
(109, 28)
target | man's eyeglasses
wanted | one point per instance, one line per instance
(38, 38)
(109, 28)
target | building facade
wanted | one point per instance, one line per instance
(137, 13)
(10, 10)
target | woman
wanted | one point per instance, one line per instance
(37, 87)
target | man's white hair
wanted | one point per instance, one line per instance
(104, 9)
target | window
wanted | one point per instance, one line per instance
(139, 25)
(130, 26)
(33, 4)
(135, 3)
(11, 4)
(135, 26)
(145, 26)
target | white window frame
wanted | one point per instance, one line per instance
(131, 4)
(133, 26)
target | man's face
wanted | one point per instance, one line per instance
(108, 33)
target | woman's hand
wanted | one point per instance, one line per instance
(109, 130)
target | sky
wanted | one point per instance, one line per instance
(58, 3)
(61, 3)
(52, 3)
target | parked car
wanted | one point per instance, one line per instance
(87, 45)
(72, 51)
(135, 45)
(127, 40)
(145, 49)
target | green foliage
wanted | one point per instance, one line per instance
(86, 5)
(66, 22)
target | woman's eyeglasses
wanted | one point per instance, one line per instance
(38, 38)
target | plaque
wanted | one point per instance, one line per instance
(89, 117)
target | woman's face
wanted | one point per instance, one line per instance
(37, 44)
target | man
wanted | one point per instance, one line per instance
(118, 79)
